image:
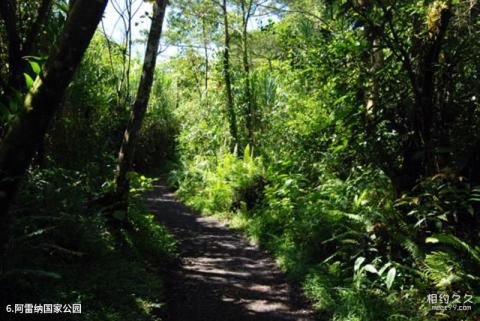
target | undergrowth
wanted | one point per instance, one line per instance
(62, 250)
(360, 252)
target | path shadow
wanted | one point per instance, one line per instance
(222, 276)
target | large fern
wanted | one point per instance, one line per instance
(442, 268)
(458, 262)
(457, 243)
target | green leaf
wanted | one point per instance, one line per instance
(370, 268)
(349, 241)
(391, 277)
(384, 268)
(62, 6)
(28, 80)
(432, 240)
(361, 200)
(358, 263)
(247, 155)
(35, 67)
(454, 241)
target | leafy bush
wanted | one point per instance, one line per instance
(217, 185)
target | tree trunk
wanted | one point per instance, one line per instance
(376, 61)
(228, 82)
(28, 130)
(251, 115)
(127, 150)
(205, 53)
(419, 159)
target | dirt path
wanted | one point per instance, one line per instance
(222, 276)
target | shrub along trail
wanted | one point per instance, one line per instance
(221, 276)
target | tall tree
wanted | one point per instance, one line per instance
(205, 55)
(126, 11)
(228, 78)
(27, 131)
(127, 150)
(194, 26)
(247, 11)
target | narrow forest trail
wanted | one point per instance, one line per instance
(222, 276)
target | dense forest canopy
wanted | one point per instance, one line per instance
(341, 136)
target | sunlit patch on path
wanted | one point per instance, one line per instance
(222, 275)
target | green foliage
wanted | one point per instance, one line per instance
(369, 214)
(62, 250)
(139, 183)
(335, 237)
(360, 171)
(59, 246)
(221, 185)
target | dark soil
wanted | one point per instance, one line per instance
(222, 276)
